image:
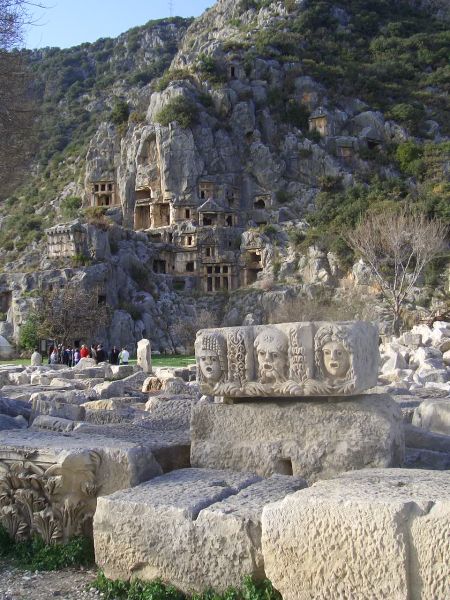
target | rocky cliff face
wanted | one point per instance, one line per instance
(269, 112)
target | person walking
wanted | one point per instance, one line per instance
(84, 351)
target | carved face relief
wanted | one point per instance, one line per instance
(336, 359)
(272, 354)
(209, 364)
(211, 357)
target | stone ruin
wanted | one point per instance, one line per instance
(288, 360)
(282, 468)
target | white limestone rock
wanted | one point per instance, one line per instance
(117, 372)
(368, 534)
(312, 439)
(85, 363)
(144, 355)
(36, 359)
(21, 378)
(202, 528)
(433, 415)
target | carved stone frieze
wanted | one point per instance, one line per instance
(288, 360)
(42, 494)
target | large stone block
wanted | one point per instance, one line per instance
(144, 355)
(66, 473)
(312, 439)
(194, 528)
(290, 360)
(433, 415)
(370, 534)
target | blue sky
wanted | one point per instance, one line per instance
(66, 23)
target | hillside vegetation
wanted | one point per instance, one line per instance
(392, 56)
(75, 89)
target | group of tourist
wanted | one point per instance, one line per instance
(71, 356)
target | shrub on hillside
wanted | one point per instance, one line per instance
(179, 109)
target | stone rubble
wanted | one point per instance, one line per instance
(155, 431)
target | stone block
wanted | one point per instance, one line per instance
(109, 389)
(69, 472)
(117, 372)
(48, 423)
(288, 360)
(370, 534)
(312, 439)
(144, 355)
(433, 415)
(21, 378)
(202, 528)
(85, 363)
(7, 422)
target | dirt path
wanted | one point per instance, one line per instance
(68, 584)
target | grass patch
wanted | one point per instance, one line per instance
(35, 555)
(172, 361)
(157, 361)
(156, 590)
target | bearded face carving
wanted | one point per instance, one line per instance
(272, 355)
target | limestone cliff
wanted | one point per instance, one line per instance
(274, 127)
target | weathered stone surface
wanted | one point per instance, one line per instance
(368, 534)
(14, 408)
(36, 359)
(79, 467)
(202, 528)
(48, 423)
(421, 458)
(116, 372)
(85, 363)
(292, 359)
(312, 439)
(109, 389)
(433, 415)
(144, 355)
(7, 422)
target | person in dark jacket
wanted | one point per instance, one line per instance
(114, 356)
(101, 354)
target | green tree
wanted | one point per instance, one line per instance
(120, 112)
(29, 332)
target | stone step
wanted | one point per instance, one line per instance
(194, 528)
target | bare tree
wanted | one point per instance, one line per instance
(70, 314)
(397, 247)
(186, 329)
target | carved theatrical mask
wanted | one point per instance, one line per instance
(210, 352)
(334, 353)
(271, 348)
(209, 364)
(336, 360)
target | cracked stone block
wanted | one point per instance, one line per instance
(381, 533)
(288, 360)
(314, 439)
(194, 528)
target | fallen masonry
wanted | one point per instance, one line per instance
(369, 534)
(201, 490)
